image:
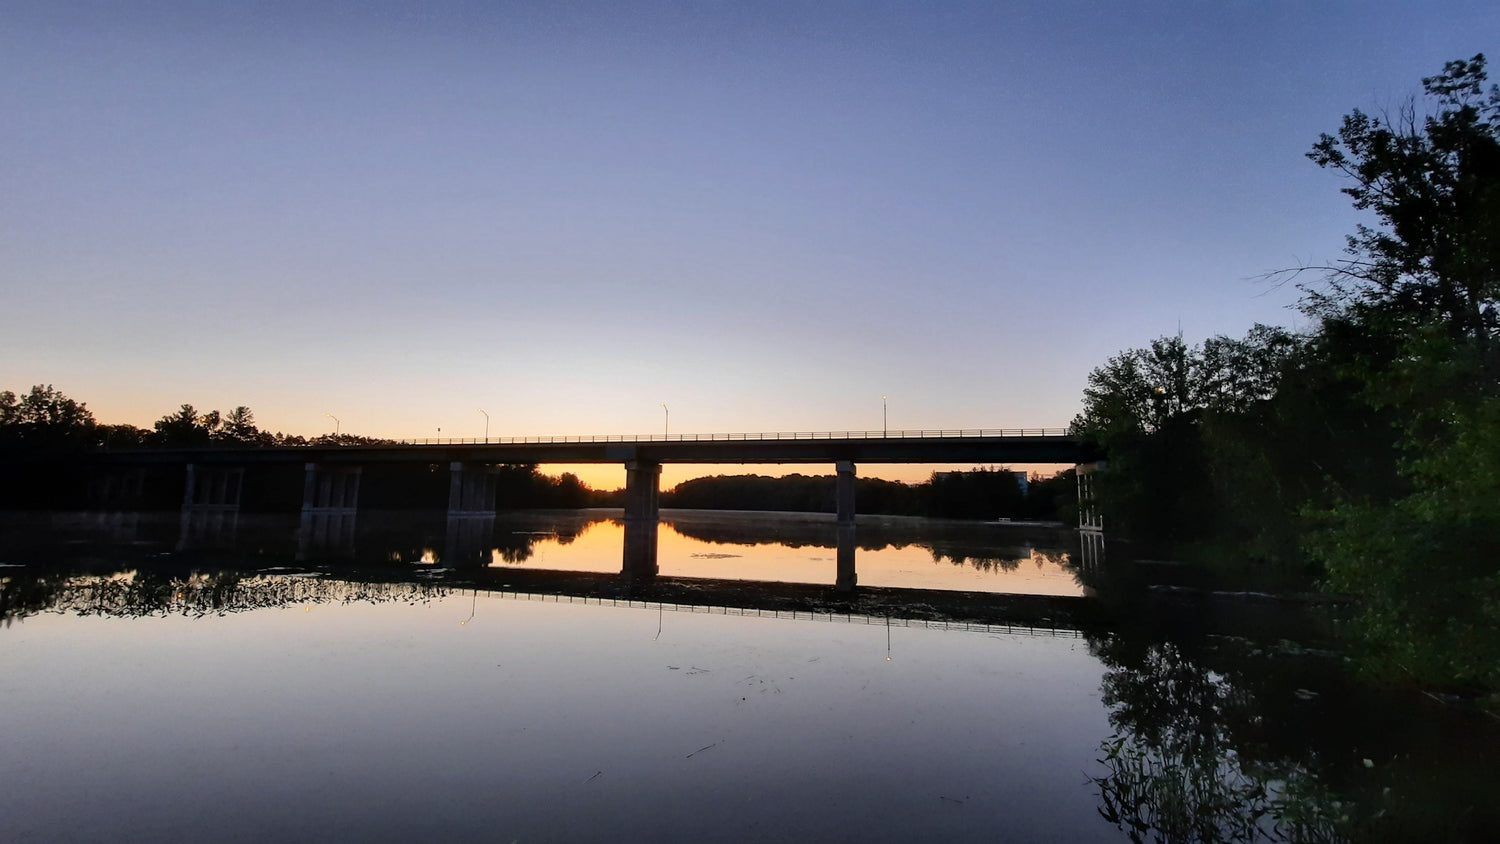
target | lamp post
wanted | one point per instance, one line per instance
(666, 421)
(335, 422)
(884, 418)
(486, 424)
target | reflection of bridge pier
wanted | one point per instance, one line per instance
(1090, 550)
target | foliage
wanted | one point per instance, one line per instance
(1419, 548)
(44, 417)
(984, 493)
(1426, 563)
(1433, 182)
(1173, 418)
(186, 428)
(1363, 449)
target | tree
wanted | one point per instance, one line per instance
(239, 427)
(186, 427)
(1433, 183)
(1419, 294)
(1155, 410)
(45, 417)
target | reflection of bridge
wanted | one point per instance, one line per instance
(331, 477)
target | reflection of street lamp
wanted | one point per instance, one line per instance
(486, 424)
(335, 423)
(884, 419)
(666, 422)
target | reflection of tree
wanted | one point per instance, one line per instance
(1223, 739)
(517, 536)
(1189, 759)
(1172, 770)
(986, 547)
(141, 593)
(987, 560)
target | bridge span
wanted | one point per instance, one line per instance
(331, 474)
(1013, 445)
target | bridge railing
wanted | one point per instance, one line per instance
(779, 435)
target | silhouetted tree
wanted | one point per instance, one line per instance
(186, 427)
(239, 426)
(45, 417)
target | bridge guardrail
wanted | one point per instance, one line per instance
(736, 437)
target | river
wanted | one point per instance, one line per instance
(222, 688)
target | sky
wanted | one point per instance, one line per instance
(765, 216)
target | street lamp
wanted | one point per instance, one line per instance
(335, 422)
(486, 424)
(666, 421)
(884, 418)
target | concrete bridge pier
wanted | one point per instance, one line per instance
(845, 492)
(471, 514)
(330, 501)
(117, 498)
(1089, 518)
(846, 577)
(471, 489)
(210, 506)
(642, 513)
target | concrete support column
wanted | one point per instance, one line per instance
(471, 489)
(642, 512)
(1089, 517)
(330, 502)
(189, 492)
(210, 506)
(455, 486)
(845, 578)
(471, 515)
(845, 493)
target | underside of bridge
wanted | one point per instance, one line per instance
(333, 475)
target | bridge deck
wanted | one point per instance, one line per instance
(953, 446)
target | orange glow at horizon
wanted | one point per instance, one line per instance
(611, 476)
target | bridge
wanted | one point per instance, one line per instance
(331, 473)
(1008, 445)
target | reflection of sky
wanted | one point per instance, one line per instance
(541, 721)
(766, 216)
(599, 549)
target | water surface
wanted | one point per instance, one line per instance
(245, 680)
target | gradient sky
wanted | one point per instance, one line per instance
(765, 215)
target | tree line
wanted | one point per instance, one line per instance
(45, 418)
(983, 493)
(1363, 455)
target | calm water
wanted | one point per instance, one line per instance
(150, 694)
(800, 548)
